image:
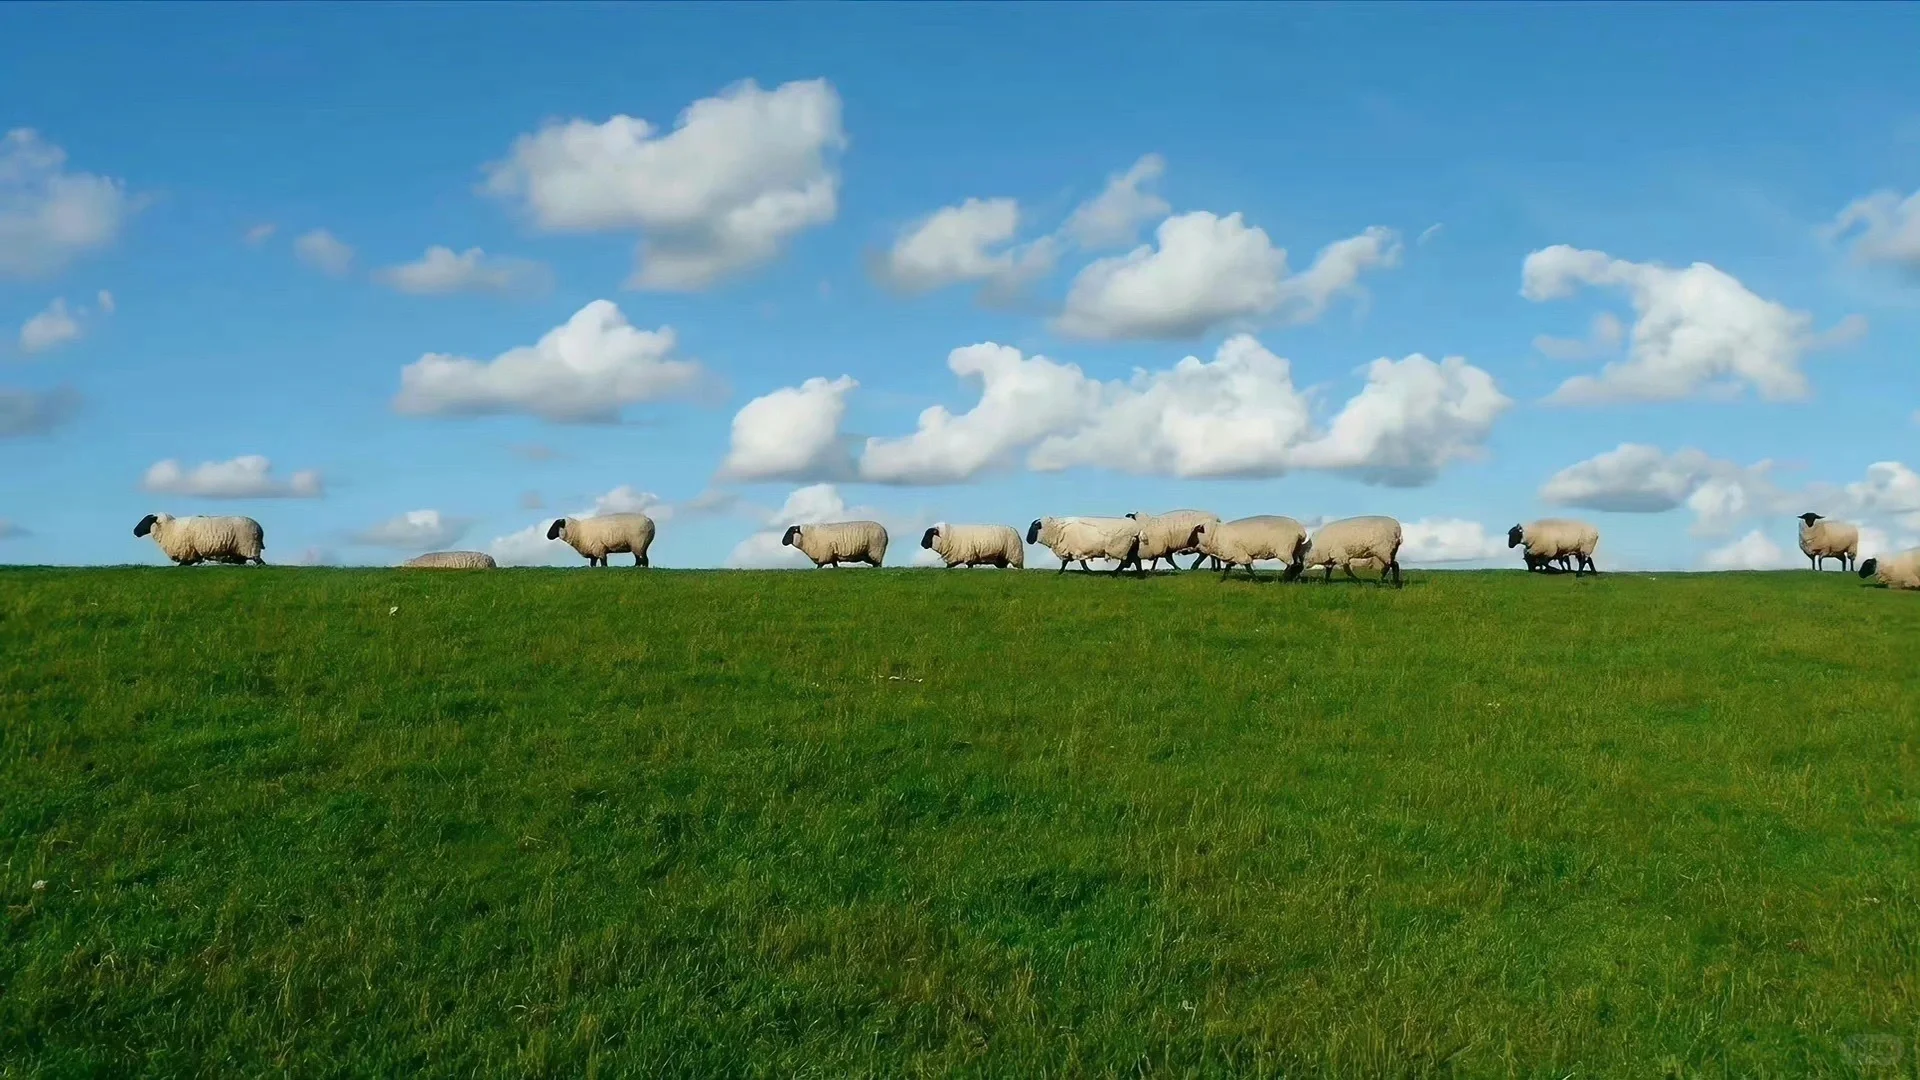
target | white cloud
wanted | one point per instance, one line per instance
(1697, 331)
(1449, 540)
(105, 299)
(740, 174)
(1021, 400)
(1113, 218)
(324, 252)
(50, 328)
(626, 499)
(1753, 551)
(260, 234)
(792, 433)
(1885, 228)
(1238, 415)
(49, 216)
(586, 370)
(1429, 233)
(246, 477)
(31, 412)
(530, 546)
(1603, 340)
(441, 271)
(415, 530)
(970, 242)
(1207, 271)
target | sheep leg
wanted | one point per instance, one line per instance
(639, 559)
(1085, 567)
(1395, 567)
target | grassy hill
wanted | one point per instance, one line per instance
(909, 823)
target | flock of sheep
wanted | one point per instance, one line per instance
(1138, 540)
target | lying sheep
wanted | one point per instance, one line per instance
(1556, 540)
(976, 545)
(841, 541)
(1162, 536)
(1354, 540)
(608, 534)
(1077, 539)
(451, 560)
(1900, 571)
(1247, 540)
(1822, 539)
(191, 540)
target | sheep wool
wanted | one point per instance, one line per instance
(598, 537)
(1077, 539)
(1353, 540)
(452, 560)
(976, 545)
(190, 540)
(1823, 538)
(836, 542)
(1162, 536)
(1901, 571)
(1245, 541)
(1556, 539)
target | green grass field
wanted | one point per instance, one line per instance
(919, 823)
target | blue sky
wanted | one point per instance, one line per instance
(1737, 190)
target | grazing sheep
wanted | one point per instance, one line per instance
(1162, 536)
(1901, 571)
(452, 560)
(976, 545)
(1244, 541)
(1552, 540)
(598, 537)
(190, 540)
(840, 541)
(1077, 539)
(1823, 538)
(1352, 540)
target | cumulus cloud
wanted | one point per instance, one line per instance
(1204, 271)
(324, 252)
(35, 412)
(970, 242)
(415, 530)
(1448, 540)
(740, 174)
(246, 477)
(1753, 551)
(530, 546)
(1237, 415)
(1113, 218)
(1884, 228)
(792, 433)
(50, 328)
(1697, 331)
(584, 371)
(440, 271)
(1602, 340)
(48, 215)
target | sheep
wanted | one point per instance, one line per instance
(1828, 539)
(1081, 538)
(1901, 571)
(976, 545)
(452, 560)
(197, 539)
(1551, 540)
(1351, 540)
(841, 541)
(1162, 536)
(598, 537)
(1244, 541)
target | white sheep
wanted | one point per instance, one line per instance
(1901, 571)
(836, 542)
(452, 560)
(1353, 540)
(1552, 540)
(1823, 538)
(1162, 536)
(598, 537)
(1245, 541)
(976, 545)
(190, 540)
(1077, 539)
